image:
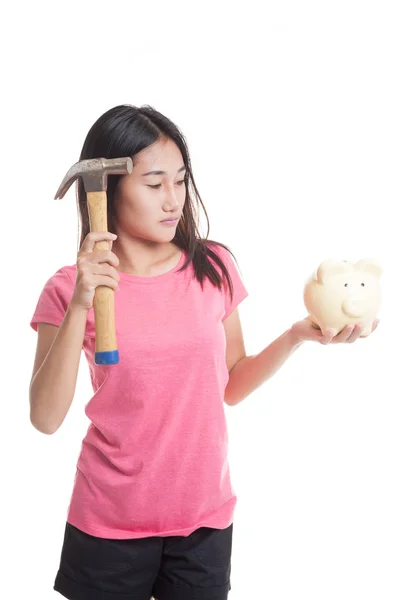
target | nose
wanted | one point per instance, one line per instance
(171, 199)
(354, 306)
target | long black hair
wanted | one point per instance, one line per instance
(126, 130)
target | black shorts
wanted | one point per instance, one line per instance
(196, 567)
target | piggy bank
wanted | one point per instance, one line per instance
(344, 293)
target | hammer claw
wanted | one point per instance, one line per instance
(94, 172)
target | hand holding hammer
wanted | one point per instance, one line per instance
(94, 173)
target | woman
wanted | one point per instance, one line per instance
(152, 507)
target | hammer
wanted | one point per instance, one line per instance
(94, 174)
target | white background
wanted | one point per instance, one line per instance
(291, 112)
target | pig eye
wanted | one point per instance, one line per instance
(346, 284)
(363, 284)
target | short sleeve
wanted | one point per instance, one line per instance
(53, 300)
(239, 290)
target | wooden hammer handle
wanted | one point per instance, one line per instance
(103, 303)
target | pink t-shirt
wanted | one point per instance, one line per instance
(154, 461)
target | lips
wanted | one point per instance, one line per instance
(169, 220)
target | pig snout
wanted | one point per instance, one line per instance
(354, 306)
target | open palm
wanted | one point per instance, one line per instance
(304, 330)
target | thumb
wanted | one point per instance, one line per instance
(328, 336)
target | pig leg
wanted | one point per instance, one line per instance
(367, 330)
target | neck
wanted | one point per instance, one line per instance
(144, 258)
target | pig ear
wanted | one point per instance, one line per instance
(370, 265)
(331, 267)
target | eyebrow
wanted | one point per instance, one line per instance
(162, 172)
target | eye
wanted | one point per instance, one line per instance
(158, 185)
(363, 284)
(346, 284)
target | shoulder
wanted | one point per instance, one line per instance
(64, 274)
(63, 280)
(226, 256)
(221, 250)
(54, 297)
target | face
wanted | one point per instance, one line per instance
(153, 192)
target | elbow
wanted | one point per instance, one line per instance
(43, 425)
(229, 401)
(233, 397)
(41, 421)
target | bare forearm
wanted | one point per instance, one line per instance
(53, 387)
(252, 371)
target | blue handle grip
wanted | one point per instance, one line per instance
(111, 357)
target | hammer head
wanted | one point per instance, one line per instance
(94, 172)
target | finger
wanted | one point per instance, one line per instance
(355, 334)
(108, 281)
(375, 325)
(96, 236)
(106, 256)
(98, 257)
(106, 269)
(344, 335)
(327, 337)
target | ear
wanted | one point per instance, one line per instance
(331, 267)
(370, 265)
